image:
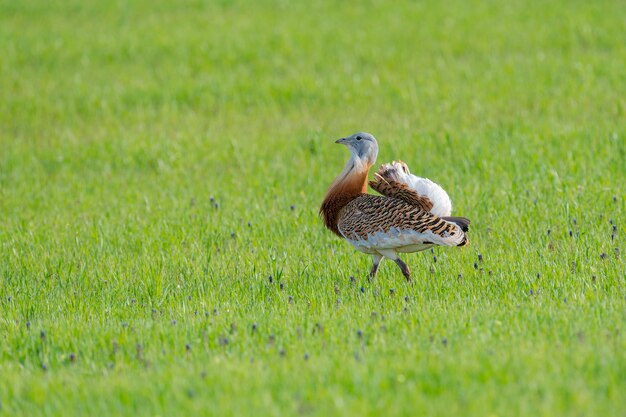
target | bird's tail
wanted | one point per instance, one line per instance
(398, 172)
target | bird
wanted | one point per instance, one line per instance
(412, 213)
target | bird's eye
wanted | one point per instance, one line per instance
(359, 138)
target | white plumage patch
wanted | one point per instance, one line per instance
(401, 240)
(442, 206)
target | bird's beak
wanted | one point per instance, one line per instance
(342, 140)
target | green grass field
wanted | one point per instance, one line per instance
(161, 169)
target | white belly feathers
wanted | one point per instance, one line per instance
(396, 239)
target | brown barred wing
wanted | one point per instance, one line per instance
(391, 222)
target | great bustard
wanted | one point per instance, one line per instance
(411, 215)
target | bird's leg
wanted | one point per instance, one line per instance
(404, 268)
(376, 258)
(393, 255)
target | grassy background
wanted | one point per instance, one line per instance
(161, 161)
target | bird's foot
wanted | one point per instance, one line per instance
(404, 268)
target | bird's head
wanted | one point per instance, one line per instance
(362, 145)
